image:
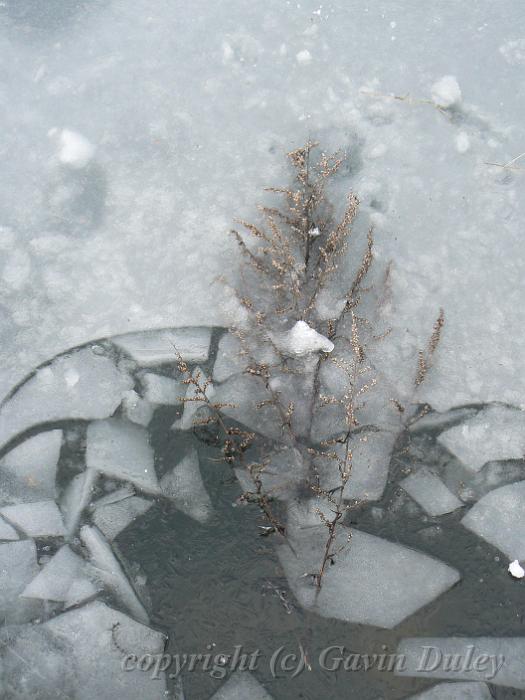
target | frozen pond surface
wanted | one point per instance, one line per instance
(133, 135)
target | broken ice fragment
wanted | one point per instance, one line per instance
(455, 691)
(499, 517)
(40, 519)
(516, 570)
(121, 450)
(430, 492)
(76, 497)
(240, 686)
(151, 348)
(34, 462)
(183, 485)
(301, 340)
(49, 396)
(358, 589)
(18, 566)
(161, 390)
(137, 409)
(112, 518)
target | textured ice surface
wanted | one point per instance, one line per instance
(496, 433)
(18, 566)
(159, 347)
(34, 462)
(496, 660)
(110, 572)
(375, 582)
(499, 517)
(82, 384)
(183, 485)
(39, 519)
(455, 691)
(158, 389)
(112, 518)
(121, 450)
(241, 686)
(430, 492)
(301, 339)
(61, 578)
(96, 634)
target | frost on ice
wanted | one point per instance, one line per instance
(430, 492)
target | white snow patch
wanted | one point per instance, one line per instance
(446, 92)
(74, 149)
(515, 569)
(304, 57)
(462, 142)
(302, 340)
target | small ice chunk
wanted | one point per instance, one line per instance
(151, 348)
(40, 519)
(81, 589)
(74, 149)
(76, 497)
(495, 660)
(301, 340)
(462, 142)
(446, 92)
(112, 518)
(304, 57)
(7, 532)
(241, 685)
(455, 691)
(57, 577)
(34, 462)
(137, 409)
(98, 637)
(48, 395)
(183, 485)
(192, 406)
(499, 518)
(160, 390)
(516, 570)
(111, 572)
(495, 433)
(314, 232)
(374, 582)
(430, 492)
(18, 566)
(121, 450)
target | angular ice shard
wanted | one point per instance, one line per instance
(34, 462)
(64, 571)
(151, 348)
(241, 685)
(193, 408)
(158, 389)
(373, 582)
(121, 450)
(112, 518)
(99, 638)
(455, 691)
(183, 485)
(495, 660)
(499, 517)
(430, 492)
(137, 409)
(496, 433)
(76, 497)
(82, 385)
(110, 571)
(39, 519)
(18, 566)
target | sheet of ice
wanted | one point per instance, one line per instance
(76, 497)
(96, 636)
(137, 409)
(241, 685)
(496, 433)
(63, 572)
(495, 660)
(430, 492)
(499, 518)
(183, 485)
(375, 582)
(111, 573)
(39, 519)
(152, 348)
(7, 532)
(34, 462)
(301, 340)
(112, 518)
(121, 450)
(161, 390)
(455, 691)
(18, 566)
(194, 410)
(82, 384)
